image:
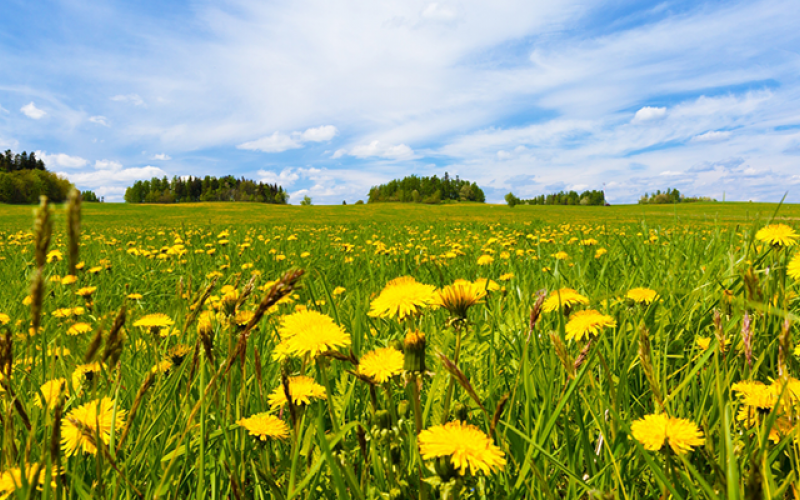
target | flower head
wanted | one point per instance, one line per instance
(309, 332)
(588, 324)
(86, 291)
(793, 268)
(79, 329)
(51, 391)
(154, 321)
(381, 364)
(402, 297)
(93, 418)
(85, 373)
(657, 431)
(11, 479)
(265, 426)
(302, 389)
(485, 260)
(564, 297)
(469, 449)
(459, 297)
(642, 295)
(778, 235)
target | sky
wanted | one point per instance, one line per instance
(328, 98)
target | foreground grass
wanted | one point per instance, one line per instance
(561, 416)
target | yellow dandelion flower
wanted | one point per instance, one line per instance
(86, 291)
(703, 343)
(561, 255)
(134, 296)
(152, 321)
(642, 295)
(79, 329)
(459, 297)
(485, 260)
(469, 449)
(485, 284)
(310, 333)
(243, 317)
(778, 235)
(381, 364)
(564, 297)
(756, 394)
(402, 297)
(51, 391)
(302, 389)
(265, 426)
(85, 373)
(11, 479)
(162, 367)
(656, 431)
(69, 279)
(4, 319)
(587, 324)
(600, 252)
(54, 256)
(93, 418)
(793, 268)
(506, 277)
(338, 291)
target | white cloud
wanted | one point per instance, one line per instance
(3, 110)
(161, 156)
(338, 154)
(649, 113)
(61, 160)
(388, 151)
(134, 99)
(111, 176)
(31, 111)
(100, 120)
(275, 143)
(279, 142)
(711, 136)
(107, 165)
(438, 12)
(285, 178)
(319, 134)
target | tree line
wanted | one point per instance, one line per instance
(24, 178)
(413, 189)
(670, 196)
(585, 198)
(209, 188)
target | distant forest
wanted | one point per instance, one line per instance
(23, 178)
(413, 189)
(670, 196)
(561, 198)
(194, 189)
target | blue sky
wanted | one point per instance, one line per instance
(328, 98)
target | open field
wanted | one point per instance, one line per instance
(149, 364)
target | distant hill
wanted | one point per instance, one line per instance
(195, 189)
(23, 178)
(413, 189)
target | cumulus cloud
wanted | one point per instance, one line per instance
(134, 99)
(111, 176)
(61, 160)
(439, 12)
(279, 142)
(649, 113)
(100, 120)
(161, 156)
(381, 150)
(711, 136)
(107, 165)
(285, 178)
(31, 111)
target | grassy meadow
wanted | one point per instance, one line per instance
(258, 351)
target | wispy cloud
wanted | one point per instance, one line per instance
(31, 111)
(134, 99)
(279, 142)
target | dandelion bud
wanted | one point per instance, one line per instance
(414, 345)
(402, 409)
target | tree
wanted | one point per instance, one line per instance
(306, 201)
(512, 200)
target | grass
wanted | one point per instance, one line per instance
(560, 411)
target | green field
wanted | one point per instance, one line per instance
(539, 402)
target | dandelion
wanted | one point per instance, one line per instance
(600, 252)
(459, 297)
(643, 296)
(11, 479)
(655, 432)
(339, 290)
(162, 367)
(134, 296)
(79, 329)
(564, 297)
(402, 297)
(703, 343)
(587, 324)
(561, 255)
(265, 426)
(506, 277)
(381, 364)
(793, 268)
(485, 260)
(51, 391)
(469, 449)
(778, 235)
(54, 256)
(310, 333)
(302, 389)
(154, 322)
(86, 292)
(85, 373)
(4, 319)
(69, 279)
(93, 418)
